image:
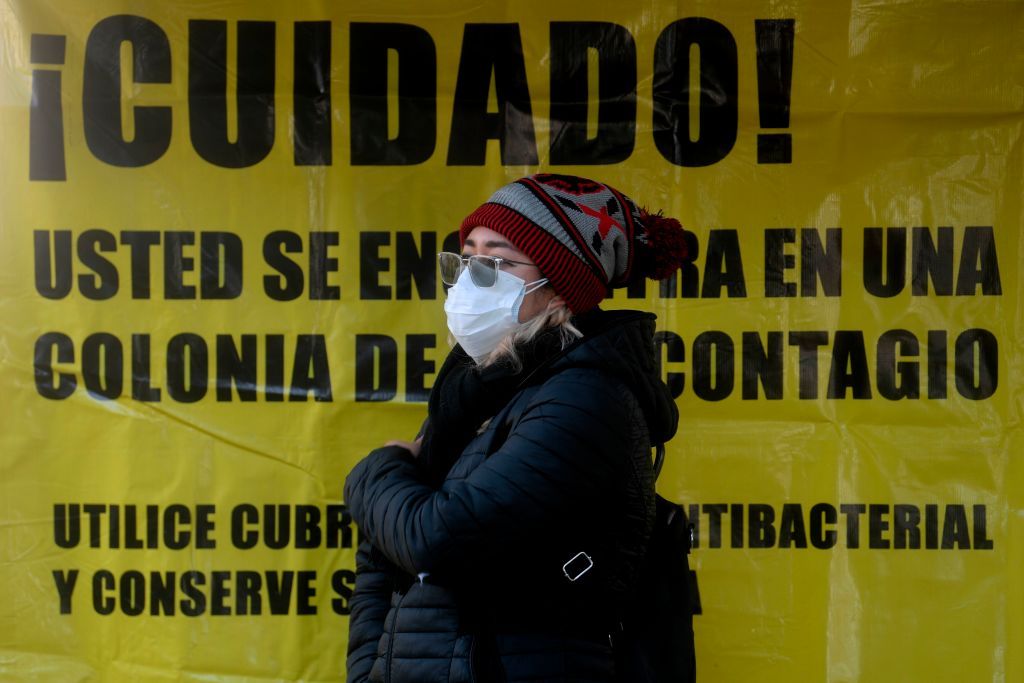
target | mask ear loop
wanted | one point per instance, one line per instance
(527, 289)
(534, 286)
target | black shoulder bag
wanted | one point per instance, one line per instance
(655, 641)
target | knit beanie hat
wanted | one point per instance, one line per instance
(585, 237)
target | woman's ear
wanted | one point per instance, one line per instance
(556, 302)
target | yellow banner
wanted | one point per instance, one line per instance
(218, 224)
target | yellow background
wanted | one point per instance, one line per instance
(903, 114)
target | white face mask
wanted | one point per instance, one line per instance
(480, 317)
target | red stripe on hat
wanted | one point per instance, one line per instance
(569, 275)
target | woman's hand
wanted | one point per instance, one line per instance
(411, 446)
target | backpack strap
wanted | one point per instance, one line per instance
(659, 459)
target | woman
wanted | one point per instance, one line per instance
(504, 543)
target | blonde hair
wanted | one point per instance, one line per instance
(556, 315)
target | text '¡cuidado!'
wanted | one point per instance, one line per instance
(493, 58)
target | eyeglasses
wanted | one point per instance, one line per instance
(483, 269)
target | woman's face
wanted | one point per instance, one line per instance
(487, 242)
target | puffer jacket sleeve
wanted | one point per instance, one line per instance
(369, 605)
(561, 459)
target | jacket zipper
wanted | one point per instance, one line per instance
(391, 640)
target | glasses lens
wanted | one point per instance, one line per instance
(450, 265)
(483, 270)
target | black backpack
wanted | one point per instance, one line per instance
(655, 641)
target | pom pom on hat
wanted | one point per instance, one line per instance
(661, 250)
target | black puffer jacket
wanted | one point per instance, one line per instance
(559, 484)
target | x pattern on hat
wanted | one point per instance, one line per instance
(599, 221)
